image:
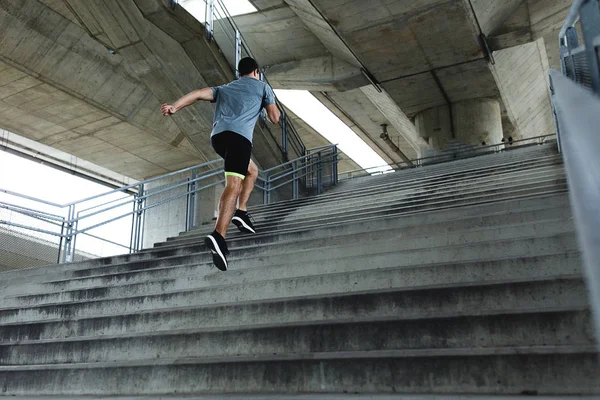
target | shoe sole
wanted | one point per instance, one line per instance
(242, 226)
(218, 258)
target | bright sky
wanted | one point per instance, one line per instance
(314, 113)
(235, 7)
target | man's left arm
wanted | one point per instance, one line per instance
(206, 94)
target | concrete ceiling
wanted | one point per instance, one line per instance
(59, 84)
(424, 54)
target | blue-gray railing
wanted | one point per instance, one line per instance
(446, 156)
(70, 221)
(576, 107)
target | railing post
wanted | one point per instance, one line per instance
(60, 242)
(589, 14)
(238, 51)
(191, 202)
(267, 190)
(284, 137)
(69, 235)
(334, 168)
(295, 183)
(319, 174)
(138, 218)
(209, 13)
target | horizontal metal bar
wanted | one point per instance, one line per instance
(45, 214)
(23, 196)
(146, 208)
(102, 204)
(148, 196)
(418, 161)
(145, 182)
(31, 228)
(289, 162)
(105, 240)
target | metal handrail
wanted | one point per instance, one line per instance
(295, 160)
(419, 161)
(246, 48)
(571, 18)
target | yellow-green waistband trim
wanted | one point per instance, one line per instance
(235, 174)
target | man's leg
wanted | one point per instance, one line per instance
(229, 198)
(248, 186)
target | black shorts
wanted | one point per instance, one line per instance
(235, 150)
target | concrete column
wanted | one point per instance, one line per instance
(477, 121)
(434, 126)
(471, 122)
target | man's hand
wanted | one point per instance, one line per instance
(167, 110)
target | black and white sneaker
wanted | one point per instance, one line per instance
(241, 219)
(218, 248)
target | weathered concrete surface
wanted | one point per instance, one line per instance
(61, 87)
(425, 54)
(522, 74)
(515, 22)
(462, 297)
(316, 74)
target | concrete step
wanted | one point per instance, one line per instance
(400, 179)
(324, 396)
(411, 237)
(354, 276)
(451, 217)
(548, 166)
(417, 249)
(352, 224)
(542, 330)
(568, 370)
(549, 295)
(284, 221)
(454, 166)
(420, 193)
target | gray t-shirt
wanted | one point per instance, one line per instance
(239, 104)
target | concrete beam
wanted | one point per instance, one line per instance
(532, 20)
(409, 142)
(317, 74)
(521, 73)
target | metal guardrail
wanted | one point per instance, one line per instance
(469, 152)
(581, 63)
(71, 221)
(576, 107)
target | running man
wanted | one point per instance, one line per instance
(239, 104)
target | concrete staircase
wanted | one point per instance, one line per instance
(456, 278)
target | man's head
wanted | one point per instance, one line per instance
(248, 67)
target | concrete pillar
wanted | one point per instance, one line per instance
(434, 126)
(477, 121)
(471, 122)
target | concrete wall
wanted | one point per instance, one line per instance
(522, 74)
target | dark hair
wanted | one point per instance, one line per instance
(247, 66)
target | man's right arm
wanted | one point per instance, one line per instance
(206, 94)
(271, 106)
(273, 113)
